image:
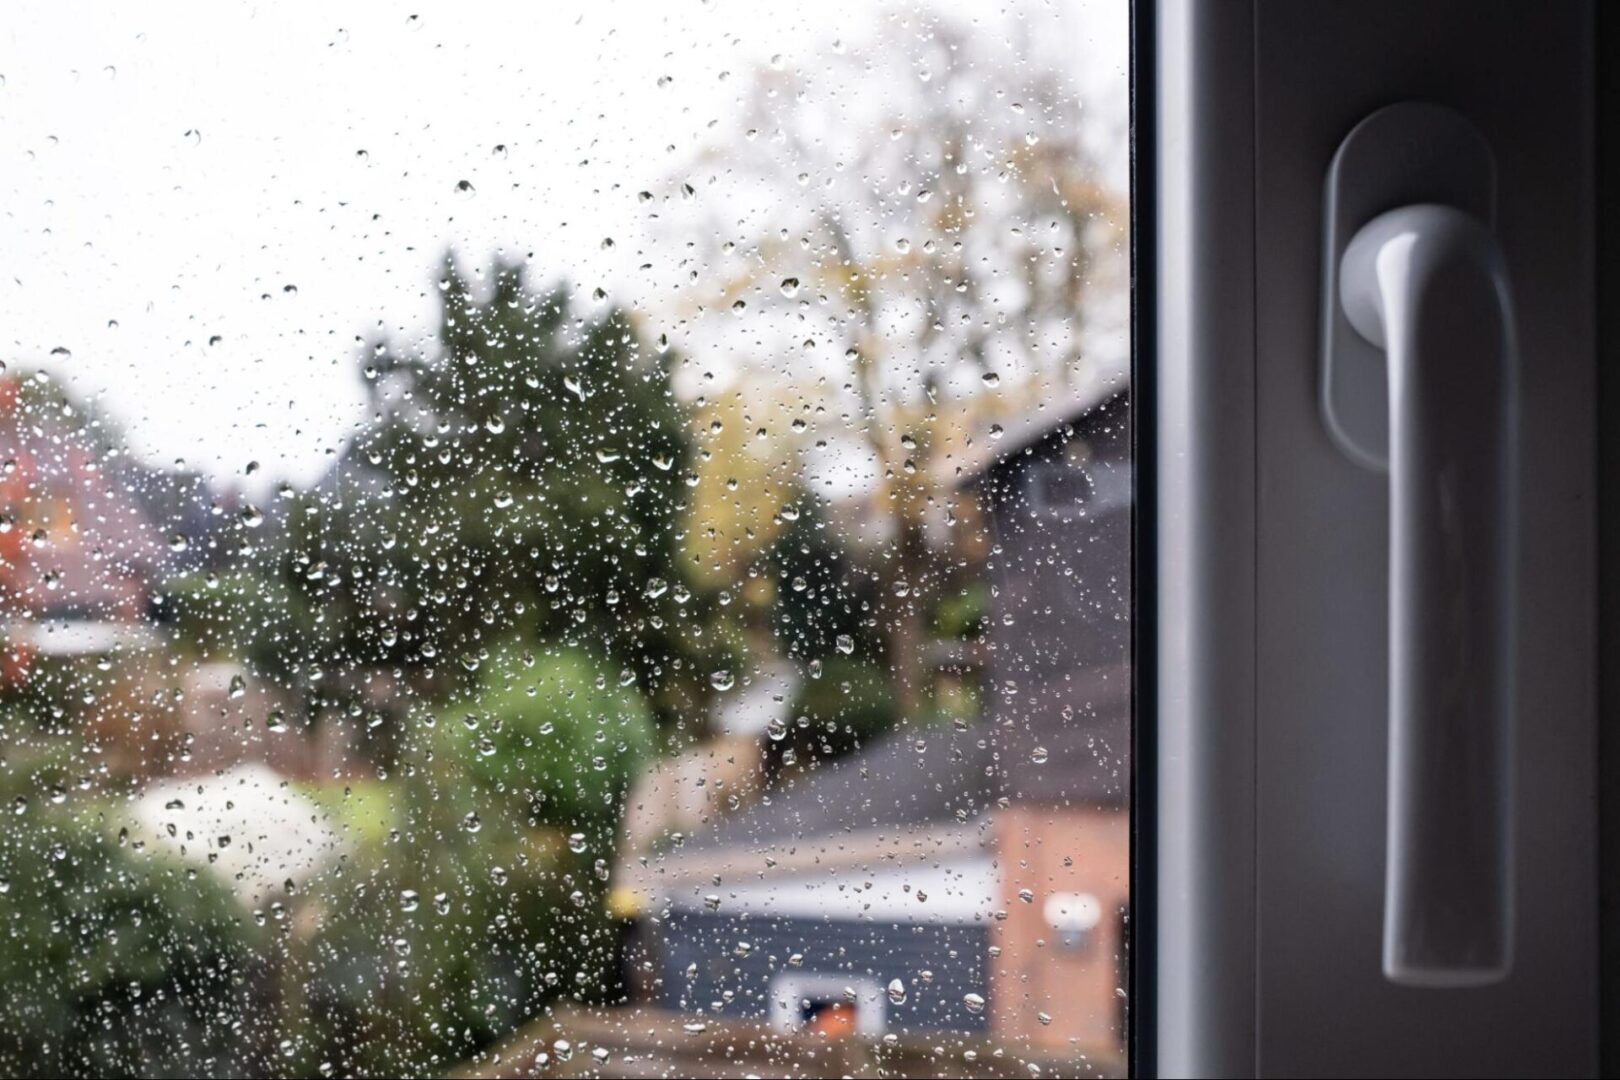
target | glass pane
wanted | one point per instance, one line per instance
(565, 539)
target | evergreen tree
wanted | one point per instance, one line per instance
(522, 472)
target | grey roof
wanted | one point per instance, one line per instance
(915, 777)
(911, 776)
(1019, 434)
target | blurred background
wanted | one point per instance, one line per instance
(590, 539)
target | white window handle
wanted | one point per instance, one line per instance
(1426, 284)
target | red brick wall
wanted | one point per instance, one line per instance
(1055, 850)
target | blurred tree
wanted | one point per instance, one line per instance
(850, 701)
(524, 469)
(553, 739)
(748, 475)
(920, 259)
(824, 604)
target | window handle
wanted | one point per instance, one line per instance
(1426, 284)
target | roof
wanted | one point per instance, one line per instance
(1054, 736)
(1031, 427)
(911, 776)
(1065, 745)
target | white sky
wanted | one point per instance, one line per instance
(173, 168)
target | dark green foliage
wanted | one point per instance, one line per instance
(522, 470)
(851, 702)
(483, 899)
(821, 594)
(554, 739)
(115, 962)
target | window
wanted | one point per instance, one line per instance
(569, 538)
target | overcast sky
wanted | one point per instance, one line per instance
(205, 204)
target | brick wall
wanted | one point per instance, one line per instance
(1057, 853)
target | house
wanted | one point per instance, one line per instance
(89, 537)
(970, 879)
(77, 552)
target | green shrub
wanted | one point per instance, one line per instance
(116, 962)
(555, 738)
